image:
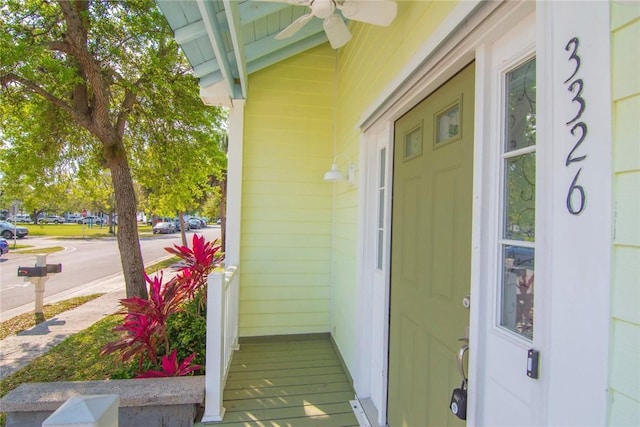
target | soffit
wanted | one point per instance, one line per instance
(226, 40)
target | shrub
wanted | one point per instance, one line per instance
(164, 335)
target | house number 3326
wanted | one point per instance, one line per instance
(576, 195)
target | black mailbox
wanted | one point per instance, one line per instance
(54, 268)
(32, 271)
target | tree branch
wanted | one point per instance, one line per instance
(83, 120)
(76, 39)
(128, 102)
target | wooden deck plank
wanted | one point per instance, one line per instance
(274, 366)
(337, 420)
(287, 391)
(299, 354)
(288, 381)
(285, 372)
(308, 410)
(286, 402)
(283, 381)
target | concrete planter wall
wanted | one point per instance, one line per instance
(145, 402)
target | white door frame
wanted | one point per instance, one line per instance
(440, 58)
(443, 55)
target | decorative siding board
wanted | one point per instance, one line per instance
(626, 78)
(625, 372)
(627, 134)
(270, 216)
(627, 223)
(266, 241)
(290, 227)
(624, 387)
(284, 306)
(284, 319)
(625, 303)
(286, 204)
(625, 411)
(291, 280)
(311, 202)
(286, 293)
(285, 267)
(622, 15)
(260, 122)
(294, 254)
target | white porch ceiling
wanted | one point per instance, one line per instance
(226, 40)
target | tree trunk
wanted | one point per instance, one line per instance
(127, 231)
(183, 233)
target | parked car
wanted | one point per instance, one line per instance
(95, 220)
(48, 219)
(75, 218)
(4, 246)
(164, 228)
(176, 222)
(20, 218)
(195, 223)
(7, 230)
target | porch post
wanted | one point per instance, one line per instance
(234, 182)
(214, 381)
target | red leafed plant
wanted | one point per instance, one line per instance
(144, 328)
(171, 368)
(197, 263)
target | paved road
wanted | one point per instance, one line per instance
(87, 266)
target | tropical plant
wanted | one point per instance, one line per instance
(147, 329)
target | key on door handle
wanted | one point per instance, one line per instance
(461, 353)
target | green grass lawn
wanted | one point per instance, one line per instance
(75, 230)
(62, 363)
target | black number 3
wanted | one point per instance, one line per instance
(575, 43)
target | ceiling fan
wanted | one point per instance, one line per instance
(377, 12)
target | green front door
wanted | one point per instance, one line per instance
(431, 253)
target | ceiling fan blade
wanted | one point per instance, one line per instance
(294, 27)
(337, 31)
(377, 12)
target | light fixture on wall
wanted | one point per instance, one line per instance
(334, 174)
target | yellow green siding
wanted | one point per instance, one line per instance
(366, 66)
(624, 383)
(286, 206)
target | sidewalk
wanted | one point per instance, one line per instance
(18, 351)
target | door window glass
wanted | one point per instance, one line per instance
(517, 240)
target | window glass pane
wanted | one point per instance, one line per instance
(518, 289)
(381, 208)
(413, 144)
(520, 197)
(521, 107)
(448, 124)
(383, 158)
(379, 255)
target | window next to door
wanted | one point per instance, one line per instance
(382, 182)
(517, 239)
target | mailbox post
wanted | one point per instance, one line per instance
(38, 275)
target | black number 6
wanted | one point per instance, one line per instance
(583, 197)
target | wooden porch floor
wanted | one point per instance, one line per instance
(287, 381)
